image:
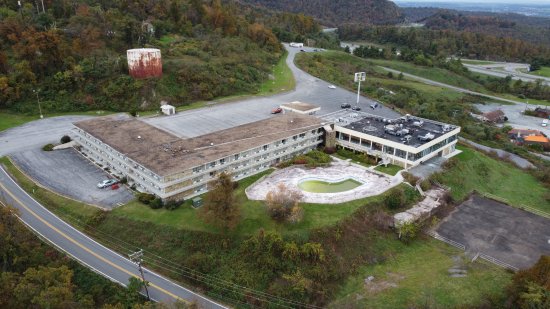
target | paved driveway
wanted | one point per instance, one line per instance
(68, 173)
(515, 117)
(506, 233)
(309, 89)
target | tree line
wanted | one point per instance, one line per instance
(445, 43)
(73, 54)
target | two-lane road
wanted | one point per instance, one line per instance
(89, 252)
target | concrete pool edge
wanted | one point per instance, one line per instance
(373, 183)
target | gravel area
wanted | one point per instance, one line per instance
(70, 174)
(373, 183)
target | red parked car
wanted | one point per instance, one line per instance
(277, 110)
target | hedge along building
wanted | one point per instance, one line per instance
(406, 141)
(177, 168)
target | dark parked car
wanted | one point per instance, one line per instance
(373, 106)
(356, 108)
(345, 105)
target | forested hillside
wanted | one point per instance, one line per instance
(445, 43)
(337, 12)
(534, 30)
(34, 275)
(73, 53)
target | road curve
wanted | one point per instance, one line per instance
(87, 251)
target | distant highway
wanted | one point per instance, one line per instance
(504, 69)
(87, 251)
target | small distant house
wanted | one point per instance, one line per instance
(542, 112)
(537, 140)
(168, 109)
(496, 116)
(519, 134)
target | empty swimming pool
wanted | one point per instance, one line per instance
(319, 186)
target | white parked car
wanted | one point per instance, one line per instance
(545, 123)
(332, 86)
(106, 183)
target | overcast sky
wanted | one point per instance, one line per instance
(482, 1)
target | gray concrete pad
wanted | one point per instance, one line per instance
(503, 232)
(70, 174)
(429, 167)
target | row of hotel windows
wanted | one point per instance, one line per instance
(236, 157)
(389, 150)
(118, 154)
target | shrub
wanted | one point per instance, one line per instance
(124, 180)
(319, 157)
(408, 232)
(410, 178)
(156, 203)
(282, 204)
(395, 199)
(172, 205)
(426, 185)
(146, 198)
(65, 139)
(48, 147)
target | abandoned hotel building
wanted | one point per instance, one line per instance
(171, 167)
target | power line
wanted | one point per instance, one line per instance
(193, 274)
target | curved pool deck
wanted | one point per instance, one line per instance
(371, 183)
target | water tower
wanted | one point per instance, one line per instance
(144, 62)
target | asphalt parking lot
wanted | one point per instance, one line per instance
(515, 116)
(309, 89)
(68, 173)
(503, 232)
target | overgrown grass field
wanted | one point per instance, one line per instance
(474, 170)
(417, 276)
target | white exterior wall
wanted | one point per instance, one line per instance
(248, 163)
(410, 150)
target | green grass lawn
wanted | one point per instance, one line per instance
(390, 169)
(9, 120)
(253, 213)
(283, 79)
(417, 276)
(432, 73)
(544, 72)
(338, 68)
(476, 171)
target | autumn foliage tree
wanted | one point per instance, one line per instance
(530, 287)
(283, 204)
(220, 208)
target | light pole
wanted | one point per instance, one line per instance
(359, 77)
(38, 100)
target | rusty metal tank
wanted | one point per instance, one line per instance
(144, 62)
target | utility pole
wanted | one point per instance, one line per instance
(38, 100)
(359, 77)
(137, 257)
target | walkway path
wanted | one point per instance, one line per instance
(519, 161)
